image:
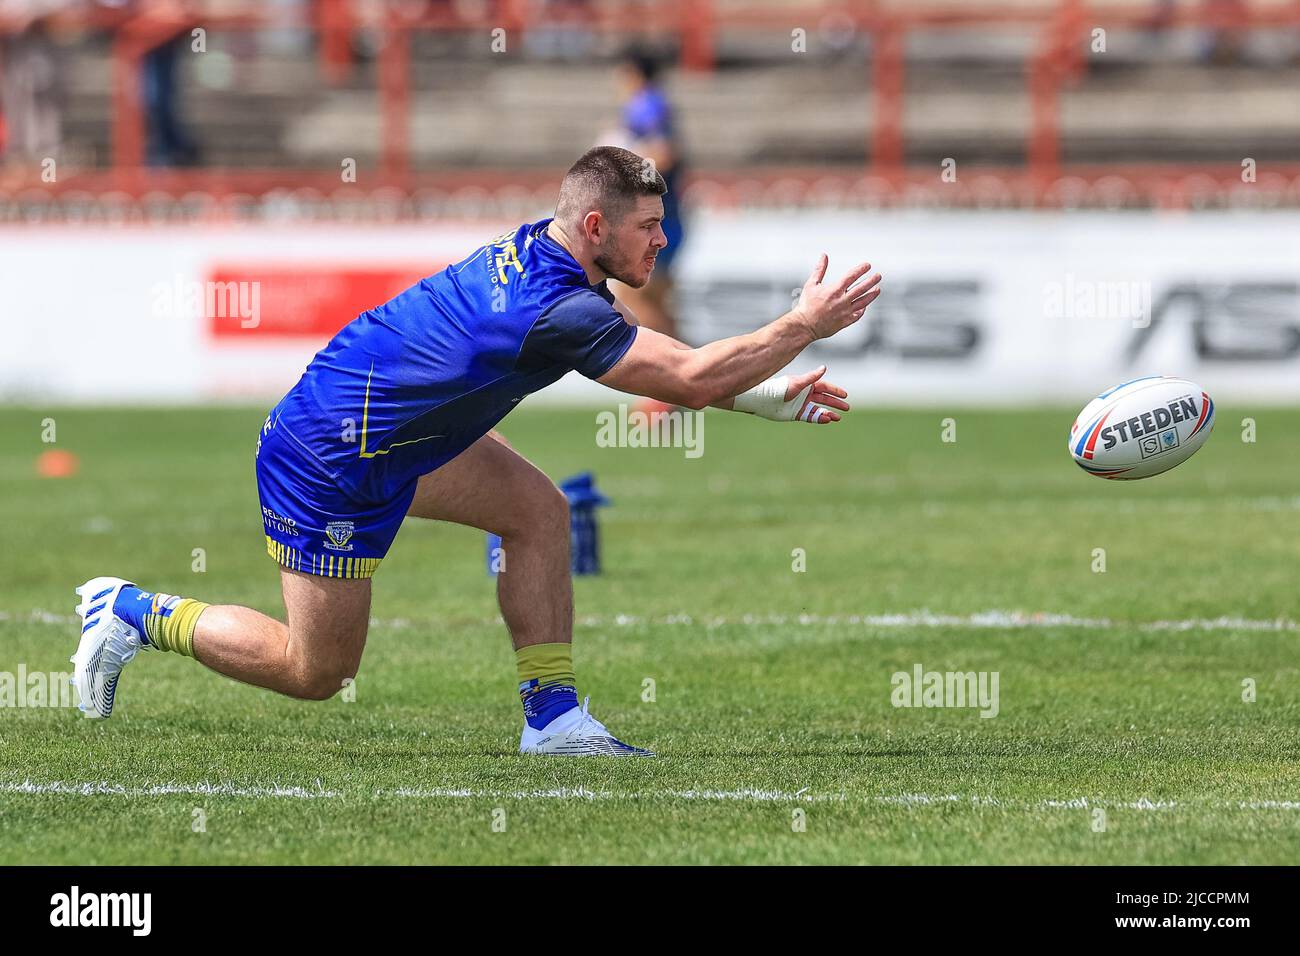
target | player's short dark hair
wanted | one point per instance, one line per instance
(608, 178)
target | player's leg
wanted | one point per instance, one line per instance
(310, 657)
(327, 546)
(491, 487)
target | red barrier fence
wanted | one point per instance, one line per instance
(1059, 60)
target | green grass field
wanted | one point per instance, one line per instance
(772, 687)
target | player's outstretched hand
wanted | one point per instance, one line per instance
(828, 307)
(822, 398)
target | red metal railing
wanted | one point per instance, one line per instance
(1059, 59)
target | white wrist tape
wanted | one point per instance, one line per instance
(767, 400)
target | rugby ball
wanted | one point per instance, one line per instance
(1141, 428)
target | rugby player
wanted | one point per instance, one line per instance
(394, 417)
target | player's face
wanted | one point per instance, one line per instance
(629, 253)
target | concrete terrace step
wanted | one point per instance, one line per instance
(503, 111)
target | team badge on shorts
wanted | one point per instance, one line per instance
(338, 534)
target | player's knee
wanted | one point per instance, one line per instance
(543, 511)
(324, 685)
(321, 680)
(552, 513)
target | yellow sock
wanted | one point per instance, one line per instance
(546, 664)
(546, 682)
(171, 627)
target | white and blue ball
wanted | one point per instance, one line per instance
(1141, 428)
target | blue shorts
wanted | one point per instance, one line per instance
(311, 524)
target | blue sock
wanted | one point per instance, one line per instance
(543, 703)
(132, 605)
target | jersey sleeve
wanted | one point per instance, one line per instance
(582, 332)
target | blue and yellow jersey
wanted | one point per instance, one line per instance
(407, 386)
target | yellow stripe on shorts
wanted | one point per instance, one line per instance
(333, 566)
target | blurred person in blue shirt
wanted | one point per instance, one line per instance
(648, 128)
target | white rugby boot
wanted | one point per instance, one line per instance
(575, 733)
(107, 644)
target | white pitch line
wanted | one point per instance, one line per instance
(99, 788)
(39, 616)
(981, 620)
(992, 619)
(580, 794)
(564, 793)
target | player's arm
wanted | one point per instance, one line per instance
(816, 404)
(660, 367)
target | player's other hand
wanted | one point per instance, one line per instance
(827, 307)
(822, 398)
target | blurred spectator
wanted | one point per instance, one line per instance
(168, 142)
(31, 80)
(648, 128)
